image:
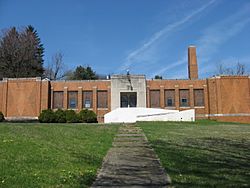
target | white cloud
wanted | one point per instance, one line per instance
(138, 54)
(212, 38)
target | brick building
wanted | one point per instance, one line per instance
(225, 98)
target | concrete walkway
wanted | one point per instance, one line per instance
(131, 162)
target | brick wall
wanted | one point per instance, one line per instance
(226, 98)
(80, 86)
(178, 85)
(229, 98)
(23, 97)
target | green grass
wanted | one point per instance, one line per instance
(52, 155)
(202, 154)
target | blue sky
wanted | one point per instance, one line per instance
(145, 36)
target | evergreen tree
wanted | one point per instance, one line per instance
(21, 53)
(84, 73)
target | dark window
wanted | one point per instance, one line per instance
(102, 99)
(155, 98)
(184, 98)
(128, 99)
(198, 97)
(169, 97)
(170, 102)
(72, 99)
(87, 99)
(57, 99)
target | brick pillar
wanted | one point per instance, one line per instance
(65, 98)
(218, 89)
(177, 97)
(51, 97)
(109, 98)
(191, 96)
(45, 93)
(79, 99)
(148, 97)
(162, 102)
(206, 99)
(5, 96)
(94, 90)
(38, 93)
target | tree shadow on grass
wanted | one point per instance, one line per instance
(90, 163)
(205, 162)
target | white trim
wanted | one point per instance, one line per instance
(199, 107)
(223, 115)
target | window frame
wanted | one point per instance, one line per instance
(169, 94)
(106, 103)
(158, 99)
(187, 98)
(62, 101)
(69, 99)
(203, 97)
(83, 99)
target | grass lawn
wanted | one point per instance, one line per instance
(202, 154)
(52, 155)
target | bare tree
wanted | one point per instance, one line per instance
(239, 69)
(55, 69)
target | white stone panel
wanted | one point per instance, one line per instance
(128, 83)
(131, 115)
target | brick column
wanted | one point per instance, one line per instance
(65, 98)
(45, 93)
(5, 96)
(38, 97)
(79, 99)
(109, 98)
(191, 96)
(206, 105)
(148, 97)
(162, 104)
(94, 90)
(219, 111)
(51, 97)
(177, 97)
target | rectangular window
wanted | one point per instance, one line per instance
(169, 98)
(87, 99)
(155, 98)
(184, 98)
(128, 99)
(57, 99)
(102, 99)
(72, 99)
(198, 97)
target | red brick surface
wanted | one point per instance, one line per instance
(226, 98)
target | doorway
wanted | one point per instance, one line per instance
(128, 99)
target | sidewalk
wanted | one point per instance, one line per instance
(131, 162)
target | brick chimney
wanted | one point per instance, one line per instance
(192, 63)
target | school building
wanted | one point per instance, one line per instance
(224, 98)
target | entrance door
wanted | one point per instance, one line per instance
(128, 99)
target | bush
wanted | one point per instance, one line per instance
(71, 116)
(60, 116)
(87, 116)
(1, 117)
(47, 116)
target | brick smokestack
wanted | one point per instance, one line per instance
(192, 63)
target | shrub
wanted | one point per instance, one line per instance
(1, 117)
(71, 116)
(47, 116)
(60, 116)
(87, 116)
